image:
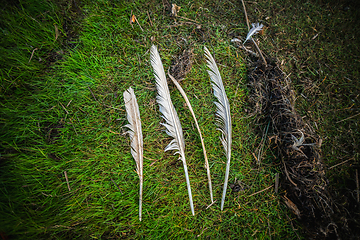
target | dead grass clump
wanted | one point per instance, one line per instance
(304, 183)
(181, 64)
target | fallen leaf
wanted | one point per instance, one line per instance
(132, 19)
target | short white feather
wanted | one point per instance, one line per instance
(222, 114)
(172, 122)
(136, 138)
(256, 27)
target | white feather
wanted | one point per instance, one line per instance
(256, 27)
(222, 114)
(172, 122)
(181, 90)
(136, 138)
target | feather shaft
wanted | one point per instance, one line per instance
(169, 114)
(181, 90)
(136, 138)
(223, 115)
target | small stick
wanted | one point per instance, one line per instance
(260, 191)
(262, 143)
(202, 232)
(269, 228)
(188, 19)
(357, 185)
(64, 108)
(72, 124)
(116, 185)
(69, 103)
(32, 54)
(348, 118)
(180, 24)
(92, 93)
(211, 204)
(255, 157)
(56, 32)
(287, 174)
(138, 23)
(340, 163)
(247, 20)
(249, 51)
(149, 18)
(292, 225)
(67, 181)
(276, 182)
(248, 25)
(259, 51)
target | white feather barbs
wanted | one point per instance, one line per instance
(136, 138)
(223, 114)
(172, 122)
(256, 27)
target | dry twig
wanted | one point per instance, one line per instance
(246, 17)
(357, 185)
(260, 191)
(67, 180)
(32, 54)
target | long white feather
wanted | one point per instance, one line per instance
(136, 138)
(181, 90)
(256, 27)
(172, 122)
(222, 114)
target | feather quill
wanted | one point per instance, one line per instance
(136, 138)
(222, 114)
(172, 122)
(256, 27)
(181, 90)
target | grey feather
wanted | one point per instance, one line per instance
(136, 138)
(169, 114)
(256, 27)
(222, 114)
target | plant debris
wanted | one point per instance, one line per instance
(181, 64)
(305, 185)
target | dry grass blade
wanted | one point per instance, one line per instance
(181, 90)
(172, 122)
(136, 138)
(223, 114)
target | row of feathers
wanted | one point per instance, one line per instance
(172, 122)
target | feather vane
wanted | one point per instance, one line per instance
(136, 138)
(256, 27)
(169, 114)
(223, 116)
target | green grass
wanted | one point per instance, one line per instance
(68, 116)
